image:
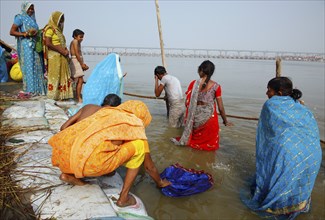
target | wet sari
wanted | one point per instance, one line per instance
(29, 60)
(57, 65)
(201, 129)
(288, 158)
(185, 182)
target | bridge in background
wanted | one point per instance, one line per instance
(205, 53)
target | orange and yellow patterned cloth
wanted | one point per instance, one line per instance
(85, 148)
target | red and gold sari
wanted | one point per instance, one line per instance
(201, 129)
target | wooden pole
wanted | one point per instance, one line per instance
(278, 67)
(7, 45)
(160, 35)
(161, 48)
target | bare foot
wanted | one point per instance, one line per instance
(71, 179)
(130, 201)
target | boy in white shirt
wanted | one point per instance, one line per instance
(174, 94)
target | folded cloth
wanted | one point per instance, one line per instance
(75, 67)
(185, 182)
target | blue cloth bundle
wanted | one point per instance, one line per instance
(185, 182)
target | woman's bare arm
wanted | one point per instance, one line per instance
(57, 48)
(71, 120)
(223, 112)
(14, 32)
(153, 172)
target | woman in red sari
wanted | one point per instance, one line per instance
(201, 126)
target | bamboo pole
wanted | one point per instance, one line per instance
(278, 67)
(161, 48)
(230, 116)
(160, 35)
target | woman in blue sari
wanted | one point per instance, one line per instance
(288, 154)
(106, 78)
(25, 30)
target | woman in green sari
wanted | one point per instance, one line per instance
(57, 59)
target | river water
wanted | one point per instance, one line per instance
(244, 86)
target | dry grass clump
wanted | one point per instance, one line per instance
(13, 204)
(15, 201)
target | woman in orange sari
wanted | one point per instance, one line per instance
(201, 130)
(103, 141)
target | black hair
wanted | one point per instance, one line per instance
(207, 67)
(160, 70)
(284, 85)
(112, 100)
(77, 32)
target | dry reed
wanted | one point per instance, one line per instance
(14, 200)
(13, 204)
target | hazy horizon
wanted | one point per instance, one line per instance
(292, 26)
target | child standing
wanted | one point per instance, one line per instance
(77, 65)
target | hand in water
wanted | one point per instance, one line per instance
(163, 183)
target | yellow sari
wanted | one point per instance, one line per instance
(85, 148)
(59, 84)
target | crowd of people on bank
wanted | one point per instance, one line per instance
(104, 133)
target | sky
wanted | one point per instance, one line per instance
(275, 25)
